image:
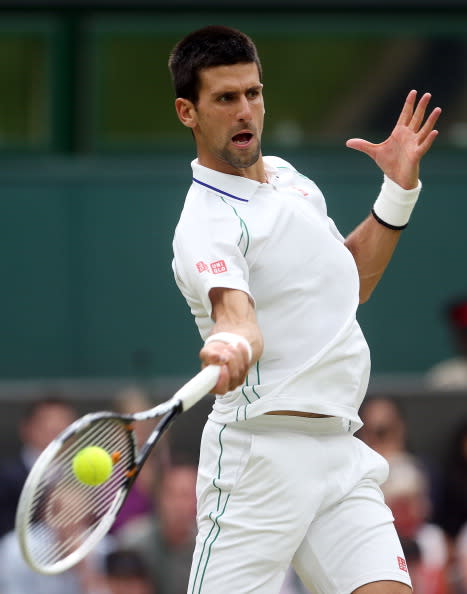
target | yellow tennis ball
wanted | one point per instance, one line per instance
(92, 465)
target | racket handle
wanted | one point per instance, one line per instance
(200, 385)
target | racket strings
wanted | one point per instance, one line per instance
(66, 512)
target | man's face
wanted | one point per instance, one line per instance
(383, 429)
(229, 117)
(47, 422)
(177, 497)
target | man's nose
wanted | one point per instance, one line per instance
(244, 111)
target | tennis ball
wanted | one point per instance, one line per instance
(92, 465)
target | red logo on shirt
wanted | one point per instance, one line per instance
(402, 564)
(201, 266)
(301, 190)
(218, 267)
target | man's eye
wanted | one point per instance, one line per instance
(253, 93)
(225, 98)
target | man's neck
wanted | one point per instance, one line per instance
(255, 172)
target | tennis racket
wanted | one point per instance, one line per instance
(59, 519)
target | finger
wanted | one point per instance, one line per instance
(426, 144)
(229, 371)
(214, 354)
(407, 110)
(419, 112)
(235, 366)
(429, 124)
(223, 381)
(234, 360)
(358, 144)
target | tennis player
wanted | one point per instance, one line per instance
(274, 288)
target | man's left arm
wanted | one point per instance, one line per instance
(373, 242)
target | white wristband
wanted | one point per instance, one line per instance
(394, 204)
(233, 339)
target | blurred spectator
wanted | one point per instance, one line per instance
(140, 500)
(406, 493)
(42, 421)
(451, 513)
(133, 400)
(16, 577)
(425, 580)
(384, 428)
(385, 431)
(166, 541)
(411, 491)
(126, 573)
(452, 373)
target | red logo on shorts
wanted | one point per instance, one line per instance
(201, 266)
(218, 267)
(402, 564)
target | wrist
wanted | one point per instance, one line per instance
(395, 204)
(233, 339)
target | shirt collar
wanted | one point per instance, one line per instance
(233, 186)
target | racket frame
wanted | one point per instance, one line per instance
(186, 397)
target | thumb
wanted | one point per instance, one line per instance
(361, 145)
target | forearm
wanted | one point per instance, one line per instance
(373, 242)
(234, 313)
(249, 332)
(372, 246)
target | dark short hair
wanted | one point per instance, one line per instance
(208, 47)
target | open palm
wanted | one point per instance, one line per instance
(399, 155)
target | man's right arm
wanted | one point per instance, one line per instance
(233, 313)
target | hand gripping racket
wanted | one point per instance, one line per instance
(59, 519)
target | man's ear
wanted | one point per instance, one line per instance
(186, 112)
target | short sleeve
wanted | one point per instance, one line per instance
(211, 256)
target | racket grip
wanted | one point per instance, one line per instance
(200, 385)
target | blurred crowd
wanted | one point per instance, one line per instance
(428, 500)
(149, 548)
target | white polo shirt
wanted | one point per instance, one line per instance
(275, 242)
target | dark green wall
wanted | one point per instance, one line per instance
(85, 255)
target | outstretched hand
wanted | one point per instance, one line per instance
(399, 155)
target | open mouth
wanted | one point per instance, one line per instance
(242, 139)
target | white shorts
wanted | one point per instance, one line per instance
(278, 490)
